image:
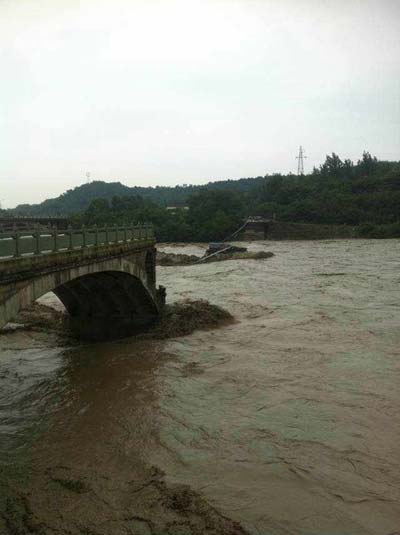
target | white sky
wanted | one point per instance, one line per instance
(184, 91)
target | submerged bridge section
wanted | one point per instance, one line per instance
(105, 277)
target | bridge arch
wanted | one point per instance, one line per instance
(107, 304)
(107, 298)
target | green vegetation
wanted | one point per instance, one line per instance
(336, 193)
(365, 195)
(78, 199)
(211, 215)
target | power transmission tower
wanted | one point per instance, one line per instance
(87, 178)
(300, 163)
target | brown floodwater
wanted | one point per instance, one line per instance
(287, 421)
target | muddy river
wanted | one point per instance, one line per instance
(286, 422)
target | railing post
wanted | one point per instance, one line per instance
(55, 232)
(37, 241)
(106, 231)
(125, 235)
(83, 237)
(71, 238)
(16, 238)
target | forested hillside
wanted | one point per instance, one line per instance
(78, 199)
(365, 194)
(338, 192)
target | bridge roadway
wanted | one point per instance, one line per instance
(105, 277)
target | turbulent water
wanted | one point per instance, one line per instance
(287, 421)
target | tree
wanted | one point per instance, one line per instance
(367, 165)
(332, 167)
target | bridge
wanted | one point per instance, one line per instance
(105, 277)
(28, 223)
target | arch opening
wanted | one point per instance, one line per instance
(107, 305)
(101, 303)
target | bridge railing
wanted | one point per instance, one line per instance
(43, 241)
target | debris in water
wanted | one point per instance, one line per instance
(184, 317)
(37, 317)
(217, 247)
(177, 319)
(172, 259)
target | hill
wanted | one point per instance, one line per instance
(365, 194)
(78, 199)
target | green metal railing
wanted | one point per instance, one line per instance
(43, 241)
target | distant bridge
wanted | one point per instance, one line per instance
(105, 277)
(28, 222)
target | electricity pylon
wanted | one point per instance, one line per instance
(300, 163)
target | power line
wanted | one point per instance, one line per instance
(300, 163)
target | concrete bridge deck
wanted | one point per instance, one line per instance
(105, 277)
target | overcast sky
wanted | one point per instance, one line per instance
(170, 92)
